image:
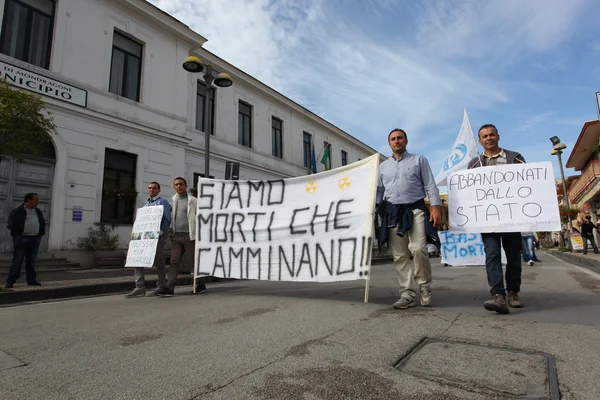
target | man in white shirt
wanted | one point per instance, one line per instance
(183, 239)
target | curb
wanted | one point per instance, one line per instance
(588, 263)
(16, 297)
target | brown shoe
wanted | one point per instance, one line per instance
(496, 303)
(514, 300)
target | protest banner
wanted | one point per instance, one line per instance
(315, 228)
(463, 249)
(144, 237)
(503, 198)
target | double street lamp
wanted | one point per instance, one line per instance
(557, 149)
(194, 65)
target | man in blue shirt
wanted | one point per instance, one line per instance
(163, 288)
(404, 181)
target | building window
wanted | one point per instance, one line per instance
(344, 158)
(200, 102)
(126, 67)
(306, 146)
(245, 124)
(118, 187)
(27, 31)
(277, 137)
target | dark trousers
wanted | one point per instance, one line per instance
(585, 244)
(493, 244)
(24, 247)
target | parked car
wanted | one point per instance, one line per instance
(433, 250)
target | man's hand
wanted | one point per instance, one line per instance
(435, 216)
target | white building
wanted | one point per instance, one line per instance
(127, 113)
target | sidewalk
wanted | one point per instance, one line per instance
(590, 260)
(77, 283)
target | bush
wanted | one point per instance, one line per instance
(101, 236)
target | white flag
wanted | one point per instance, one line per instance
(463, 150)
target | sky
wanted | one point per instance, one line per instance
(529, 67)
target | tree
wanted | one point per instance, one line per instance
(24, 125)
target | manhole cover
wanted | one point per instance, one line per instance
(493, 370)
(7, 361)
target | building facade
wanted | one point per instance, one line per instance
(584, 192)
(127, 113)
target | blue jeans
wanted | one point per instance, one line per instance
(493, 244)
(528, 253)
(24, 247)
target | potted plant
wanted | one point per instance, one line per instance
(103, 241)
(566, 212)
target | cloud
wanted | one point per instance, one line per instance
(369, 67)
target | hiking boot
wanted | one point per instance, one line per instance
(137, 292)
(425, 297)
(34, 283)
(496, 303)
(9, 285)
(514, 300)
(164, 292)
(404, 302)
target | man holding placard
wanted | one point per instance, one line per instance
(404, 181)
(183, 241)
(494, 242)
(162, 286)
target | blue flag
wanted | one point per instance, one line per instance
(313, 160)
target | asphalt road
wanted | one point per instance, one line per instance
(274, 340)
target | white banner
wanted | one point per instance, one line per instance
(310, 228)
(463, 249)
(144, 237)
(503, 198)
(463, 150)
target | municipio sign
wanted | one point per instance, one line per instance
(42, 85)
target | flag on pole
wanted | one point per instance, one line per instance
(463, 150)
(313, 160)
(325, 158)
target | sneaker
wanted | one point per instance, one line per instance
(404, 302)
(200, 288)
(530, 263)
(137, 292)
(34, 283)
(425, 297)
(9, 285)
(514, 300)
(496, 303)
(164, 292)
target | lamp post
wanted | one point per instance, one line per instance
(194, 65)
(557, 149)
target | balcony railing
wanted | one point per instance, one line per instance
(589, 177)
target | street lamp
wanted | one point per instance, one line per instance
(194, 65)
(557, 149)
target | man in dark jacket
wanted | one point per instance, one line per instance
(27, 226)
(587, 233)
(494, 242)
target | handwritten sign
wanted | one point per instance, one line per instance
(503, 198)
(311, 228)
(144, 237)
(463, 249)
